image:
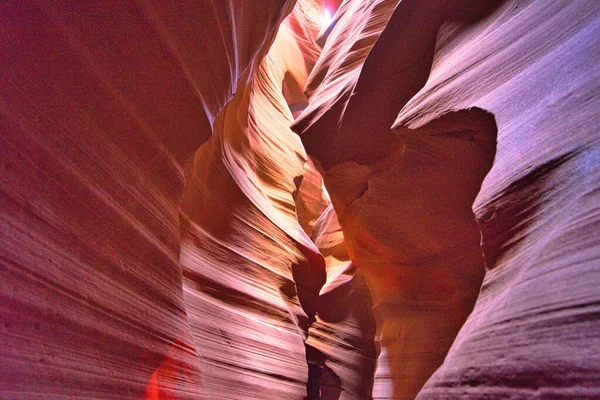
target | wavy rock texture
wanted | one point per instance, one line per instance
(252, 272)
(534, 332)
(353, 32)
(241, 243)
(340, 346)
(419, 251)
(100, 104)
(404, 198)
(165, 234)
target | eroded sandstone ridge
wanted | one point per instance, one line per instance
(461, 71)
(233, 200)
(101, 103)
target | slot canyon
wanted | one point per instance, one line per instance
(300, 199)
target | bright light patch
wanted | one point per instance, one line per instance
(327, 17)
(325, 192)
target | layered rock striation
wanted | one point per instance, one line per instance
(101, 104)
(458, 72)
(227, 200)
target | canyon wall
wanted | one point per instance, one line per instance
(252, 273)
(242, 243)
(101, 104)
(513, 81)
(534, 332)
(210, 199)
(403, 200)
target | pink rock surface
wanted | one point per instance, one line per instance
(252, 273)
(100, 103)
(341, 339)
(164, 233)
(403, 201)
(242, 244)
(404, 197)
(534, 332)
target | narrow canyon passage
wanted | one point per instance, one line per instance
(320, 199)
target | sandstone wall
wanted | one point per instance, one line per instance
(428, 227)
(101, 103)
(511, 83)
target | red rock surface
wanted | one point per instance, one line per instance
(404, 196)
(100, 104)
(165, 235)
(341, 339)
(252, 272)
(419, 251)
(242, 244)
(534, 332)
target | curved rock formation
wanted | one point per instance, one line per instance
(251, 200)
(100, 104)
(341, 339)
(165, 235)
(419, 251)
(534, 330)
(241, 242)
(404, 199)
